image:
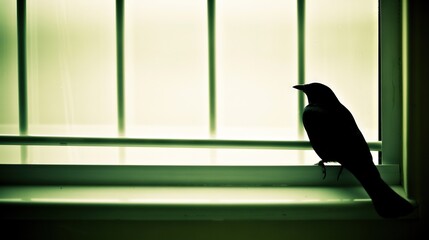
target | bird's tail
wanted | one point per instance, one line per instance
(386, 201)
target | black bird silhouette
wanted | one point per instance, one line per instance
(335, 137)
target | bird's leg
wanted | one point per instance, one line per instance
(339, 173)
(322, 165)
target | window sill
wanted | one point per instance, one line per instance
(185, 203)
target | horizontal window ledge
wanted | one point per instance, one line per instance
(185, 203)
(140, 175)
(156, 142)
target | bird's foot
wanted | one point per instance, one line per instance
(322, 165)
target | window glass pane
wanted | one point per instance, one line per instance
(8, 79)
(8, 68)
(10, 154)
(342, 52)
(265, 157)
(256, 44)
(159, 156)
(220, 157)
(71, 49)
(73, 155)
(169, 156)
(166, 68)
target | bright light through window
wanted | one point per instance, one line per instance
(72, 75)
(71, 67)
(166, 71)
(342, 52)
(8, 69)
(256, 69)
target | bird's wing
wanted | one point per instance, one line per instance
(334, 135)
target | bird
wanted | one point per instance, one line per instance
(335, 137)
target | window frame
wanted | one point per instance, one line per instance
(391, 125)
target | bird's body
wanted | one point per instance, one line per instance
(335, 137)
(325, 131)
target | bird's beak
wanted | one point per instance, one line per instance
(299, 87)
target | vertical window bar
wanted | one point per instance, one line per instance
(390, 43)
(380, 153)
(21, 6)
(301, 61)
(22, 66)
(120, 65)
(211, 5)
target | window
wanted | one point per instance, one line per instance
(214, 77)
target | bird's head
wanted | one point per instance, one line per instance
(318, 93)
